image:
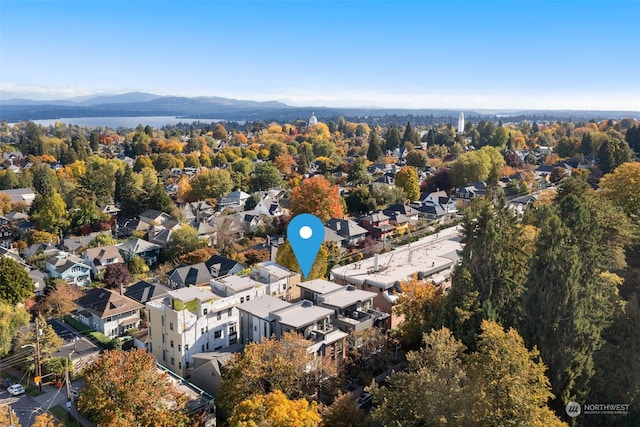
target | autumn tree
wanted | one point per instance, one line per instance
(502, 383)
(275, 409)
(419, 305)
(418, 159)
(8, 416)
(620, 186)
(287, 258)
(12, 319)
(116, 276)
(211, 183)
(184, 240)
(50, 342)
(317, 196)
(198, 255)
(50, 212)
(343, 413)
(45, 420)
(127, 389)
(15, 284)
(60, 299)
(273, 364)
(480, 165)
(407, 180)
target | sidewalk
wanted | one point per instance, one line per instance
(52, 396)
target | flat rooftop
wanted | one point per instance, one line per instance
(346, 296)
(239, 283)
(426, 257)
(262, 306)
(301, 314)
(319, 286)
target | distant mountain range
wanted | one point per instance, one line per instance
(134, 104)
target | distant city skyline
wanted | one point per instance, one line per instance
(455, 54)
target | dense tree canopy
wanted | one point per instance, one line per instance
(15, 284)
(317, 196)
(127, 389)
(502, 383)
(275, 409)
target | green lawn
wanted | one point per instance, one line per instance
(61, 415)
(99, 337)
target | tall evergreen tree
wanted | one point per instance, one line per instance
(393, 138)
(570, 298)
(374, 152)
(489, 281)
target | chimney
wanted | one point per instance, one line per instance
(375, 263)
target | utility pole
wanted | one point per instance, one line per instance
(38, 378)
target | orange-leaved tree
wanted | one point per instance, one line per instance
(318, 197)
(126, 389)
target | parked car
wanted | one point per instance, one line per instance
(364, 401)
(15, 389)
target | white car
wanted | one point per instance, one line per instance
(15, 389)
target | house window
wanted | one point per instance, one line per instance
(187, 364)
(241, 300)
(164, 355)
(171, 343)
(232, 328)
(217, 334)
(207, 346)
(173, 361)
(230, 312)
(202, 331)
(202, 347)
(205, 311)
(186, 347)
(179, 347)
(163, 338)
(219, 315)
(171, 326)
(248, 297)
(162, 320)
(179, 365)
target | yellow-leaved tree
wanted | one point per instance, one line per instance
(275, 409)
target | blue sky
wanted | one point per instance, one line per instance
(406, 54)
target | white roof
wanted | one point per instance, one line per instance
(428, 256)
(262, 306)
(191, 293)
(346, 296)
(239, 283)
(320, 286)
(301, 314)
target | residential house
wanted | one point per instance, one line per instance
(403, 217)
(193, 320)
(198, 211)
(348, 229)
(378, 225)
(278, 280)
(189, 275)
(149, 252)
(108, 312)
(352, 307)
(6, 233)
(239, 197)
(75, 244)
(220, 266)
(205, 232)
(471, 190)
(229, 228)
(155, 217)
(267, 316)
(71, 268)
(519, 204)
(143, 291)
(270, 207)
(20, 195)
(100, 257)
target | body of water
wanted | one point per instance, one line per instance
(128, 122)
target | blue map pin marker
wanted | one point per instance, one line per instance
(306, 234)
